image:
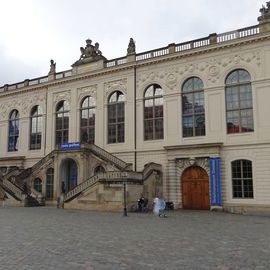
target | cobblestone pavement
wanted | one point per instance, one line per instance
(49, 238)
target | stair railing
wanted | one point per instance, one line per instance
(106, 155)
(13, 188)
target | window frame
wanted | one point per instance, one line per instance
(37, 185)
(191, 131)
(154, 122)
(89, 128)
(49, 173)
(242, 181)
(62, 109)
(117, 108)
(13, 138)
(37, 135)
(236, 88)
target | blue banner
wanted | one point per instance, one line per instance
(215, 181)
(70, 146)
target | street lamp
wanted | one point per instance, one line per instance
(124, 178)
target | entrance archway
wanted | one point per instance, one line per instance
(69, 174)
(195, 189)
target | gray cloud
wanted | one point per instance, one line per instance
(51, 29)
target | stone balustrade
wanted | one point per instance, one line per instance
(14, 189)
(176, 48)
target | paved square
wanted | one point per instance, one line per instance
(49, 238)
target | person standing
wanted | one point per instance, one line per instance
(156, 206)
(159, 207)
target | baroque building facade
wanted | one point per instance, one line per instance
(188, 122)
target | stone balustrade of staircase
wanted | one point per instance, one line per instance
(16, 191)
(149, 168)
(107, 156)
(115, 175)
(43, 161)
(80, 188)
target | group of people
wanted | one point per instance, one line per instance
(159, 206)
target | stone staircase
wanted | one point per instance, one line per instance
(117, 162)
(115, 176)
(14, 183)
(118, 177)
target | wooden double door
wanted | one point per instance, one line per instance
(195, 189)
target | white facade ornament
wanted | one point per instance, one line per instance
(87, 91)
(185, 163)
(61, 96)
(23, 106)
(213, 73)
(171, 81)
(118, 85)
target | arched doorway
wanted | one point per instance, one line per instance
(69, 174)
(195, 189)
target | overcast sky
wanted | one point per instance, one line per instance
(34, 31)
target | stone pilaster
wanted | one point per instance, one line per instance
(172, 182)
(131, 57)
(171, 48)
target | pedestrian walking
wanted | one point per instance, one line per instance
(159, 207)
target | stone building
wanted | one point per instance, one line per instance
(188, 122)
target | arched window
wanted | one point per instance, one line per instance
(88, 115)
(116, 118)
(242, 182)
(153, 113)
(49, 183)
(13, 131)
(239, 107)
(35, 128)
(99, 169)
(38, 185)
(193, 112)
(62, 122)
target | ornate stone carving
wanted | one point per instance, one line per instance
(23, 105)
(87, 91)
(89, 54)
(27, 104)
(183, 164)
(265, 13)
(52, 67)
(4, 109)
(212, 68)
(203, 163)
(213, 73)
(118, 85)
(246, 58)
(171, 81)
(131, 47)
(61, 96)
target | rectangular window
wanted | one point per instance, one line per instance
(242, 179)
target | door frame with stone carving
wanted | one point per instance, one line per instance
(195, 188)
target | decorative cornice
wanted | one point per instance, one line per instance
(189, 146)
(151, 61)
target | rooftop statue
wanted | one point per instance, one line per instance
(131, 47)
(89, 53)
(52, 67)
(265, 13)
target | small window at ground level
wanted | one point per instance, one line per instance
(242, 182)
(38, 185)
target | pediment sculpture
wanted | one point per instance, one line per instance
(265, 13)
(89, 53)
